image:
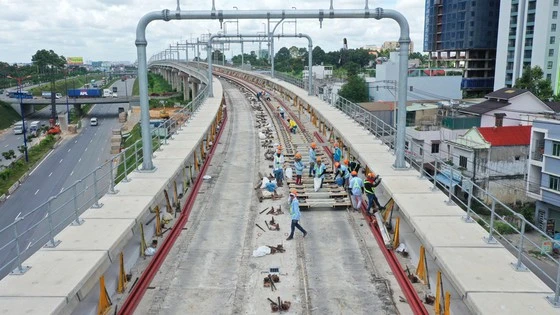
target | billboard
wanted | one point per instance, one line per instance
(75, 60)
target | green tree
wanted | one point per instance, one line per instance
(532, 80)
(355, 90)
(50, 63)
(318, 55)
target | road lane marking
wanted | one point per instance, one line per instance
(41, 163)
(85, 149)
(69, 150)
(60, 161)
(36, 192)
(6, 145)
(17, 217)
(90, 141)
(72, 173)
(79, 160)
(76, 141)
(61, 189)
(50, 174)
(28, 245)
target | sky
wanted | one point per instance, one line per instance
(105, 30)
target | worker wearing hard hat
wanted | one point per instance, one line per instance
(356, 188)
(370, 183)
(280, 111)
(337, 155)
(299, 166)
(278, 166)
(319, 171)
(344, 169)
(296, 214)
(312, 158)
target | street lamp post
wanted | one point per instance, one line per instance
(67, 105)
(20, 95)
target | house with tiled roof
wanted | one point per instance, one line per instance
(495, 158)
(509, 107)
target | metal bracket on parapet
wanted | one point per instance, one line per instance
(490, 240)
(97, 205)
(553, 301)
(78, 221)
(141, 170)
(467, 219)
(18, 271)
(519, 267)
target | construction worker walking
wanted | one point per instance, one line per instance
(299, 166)
(278, 166)
(319, 173)
(296, 214)
(346, 173)
(371, 182)
(312, 158)
(280, 111)
(357, 187)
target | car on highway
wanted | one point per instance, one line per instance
(93, 121)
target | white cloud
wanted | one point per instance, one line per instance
(106, 29)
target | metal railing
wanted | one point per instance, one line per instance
(502, 223)
(39, 227)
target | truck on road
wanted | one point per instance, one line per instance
(85, 93)
(47, 95)
(107, 93)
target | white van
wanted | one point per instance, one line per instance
(107, 93)
(18, 128)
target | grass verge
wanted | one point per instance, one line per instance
(15, 171)
(7, 115)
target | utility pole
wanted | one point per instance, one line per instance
(20, 95)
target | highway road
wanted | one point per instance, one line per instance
(76, 157)
(10, 141)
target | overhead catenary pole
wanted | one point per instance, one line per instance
(220, 15)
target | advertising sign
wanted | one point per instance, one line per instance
(75, 60)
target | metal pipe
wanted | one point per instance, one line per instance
(300, 35)
(167, 15)
(271, 37)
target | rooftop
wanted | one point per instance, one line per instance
(484, 107)
(506, 93)
(506, 136)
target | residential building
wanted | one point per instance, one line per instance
(423, 84)
(509, 107)
(319, 72)
(529, 35)
(543, 179)
(463, 34)
(394, 45)
(495, 158)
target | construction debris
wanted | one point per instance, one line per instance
(280, 305)
(276, 212)
(277, 249)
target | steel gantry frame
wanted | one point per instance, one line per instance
(321, 14)
(300, 35)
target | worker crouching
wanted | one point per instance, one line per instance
(371, 182)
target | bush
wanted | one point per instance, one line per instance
(503, 228)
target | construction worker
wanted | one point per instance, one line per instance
(371, 182)
(340, 174)
(319, 171)
(354, 165)
(280, 111)
(346, 171)
(357, 187)
(278, 166)
(337, 154)
(299, 166)
(151, 250)
(293, 125)
(296, 214)
(312, 158)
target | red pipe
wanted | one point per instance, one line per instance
(138, 291)
(410, 293)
